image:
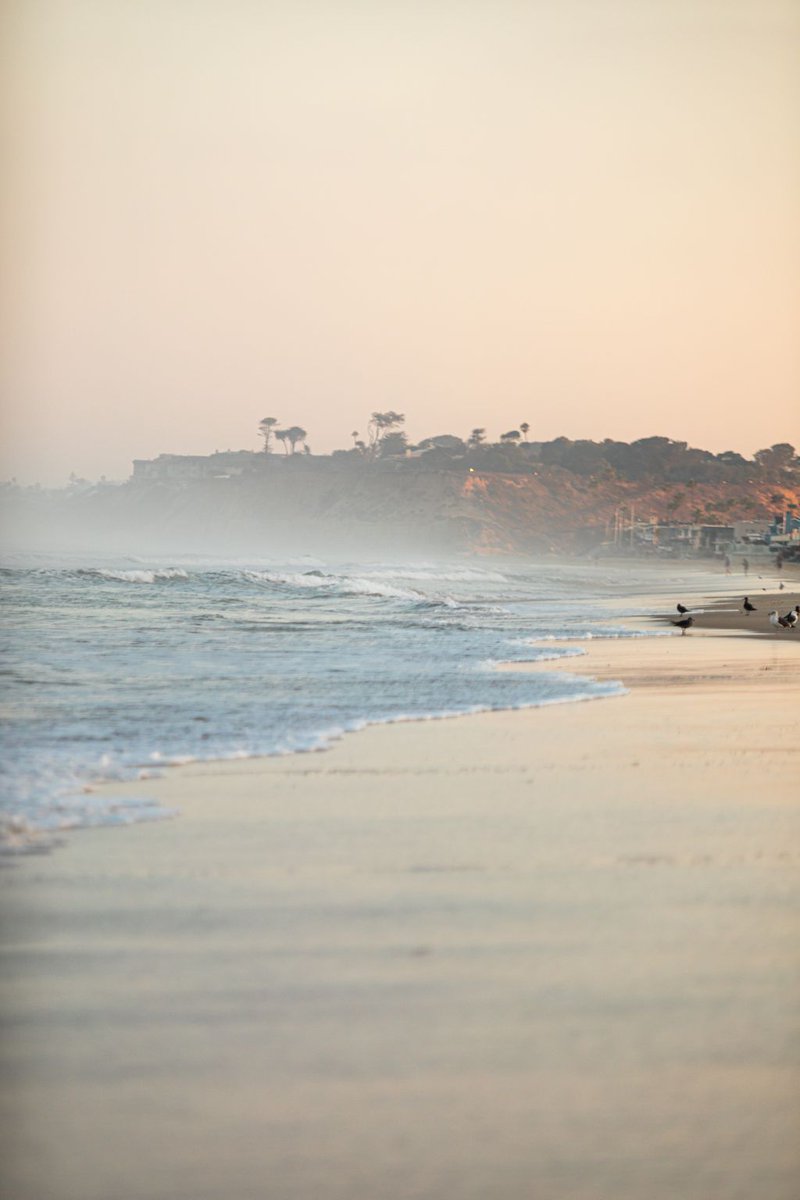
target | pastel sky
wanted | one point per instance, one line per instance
(582, 214)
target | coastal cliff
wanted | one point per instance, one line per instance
(311, 506)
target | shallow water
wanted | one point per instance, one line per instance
(114, 668)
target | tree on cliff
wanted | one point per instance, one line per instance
(296, 434)
(393, 445)
(444, 441)
(265, 428)
(380, 424)
(282, 435)
(524, 428)
(780, 457)
(477, 438)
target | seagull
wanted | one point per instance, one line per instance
(792, 617)
(748, 607)
(778, 622)
(682, 609)
(685, 624)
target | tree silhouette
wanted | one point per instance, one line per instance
(524, 426)
(296, 434)
(777, 458)
(513, 435)
(283, 436)
(393, 445)
(265, 428)
(443, 441)
(381, 423)
(477, 437)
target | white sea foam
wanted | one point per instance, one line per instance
(241, 660)
(345, 585)
(356, 586)
(293, 579)
(156, 575)
(597, 635)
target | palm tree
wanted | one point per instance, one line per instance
(524, 426)
(296, 434)
(265, 428)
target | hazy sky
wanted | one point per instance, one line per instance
(579, 213)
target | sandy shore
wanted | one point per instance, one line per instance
(545, 955)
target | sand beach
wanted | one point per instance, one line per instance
(381, 382)
(545, 954)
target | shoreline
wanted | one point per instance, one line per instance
(547, 951)
(721, 615)
(21, 840)
(714, 619)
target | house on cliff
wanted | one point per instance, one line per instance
(185, 468)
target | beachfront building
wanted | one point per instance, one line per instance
(752, 533)
(684, 538)
(184, 468)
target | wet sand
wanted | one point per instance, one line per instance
(730, 616)
(544, 955)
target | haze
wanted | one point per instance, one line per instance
(580, 215)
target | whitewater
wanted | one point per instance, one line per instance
(117, 669)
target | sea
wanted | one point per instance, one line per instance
(115, 669)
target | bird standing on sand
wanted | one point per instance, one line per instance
(778, 622)
(748, 607)
(685, 624)
(682, 608)
(792, 617)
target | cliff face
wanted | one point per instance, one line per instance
(557, 509)
(308, 508)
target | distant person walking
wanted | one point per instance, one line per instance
(779, 562)
(745, 565)
(727, 565)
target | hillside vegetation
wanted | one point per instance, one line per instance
(446, 495)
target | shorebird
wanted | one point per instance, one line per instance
(792, 617)
(778, 622)
(685, 624)
(682, 608)
(748, 607)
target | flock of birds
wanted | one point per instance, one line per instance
(788, 621)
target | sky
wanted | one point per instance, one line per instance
(580, 214)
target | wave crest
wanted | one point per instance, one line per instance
(346, 585)
(157, 575)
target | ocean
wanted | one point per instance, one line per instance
(115, 669)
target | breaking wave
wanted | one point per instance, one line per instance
(112, 672)
(346, 585)
(157, 575)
